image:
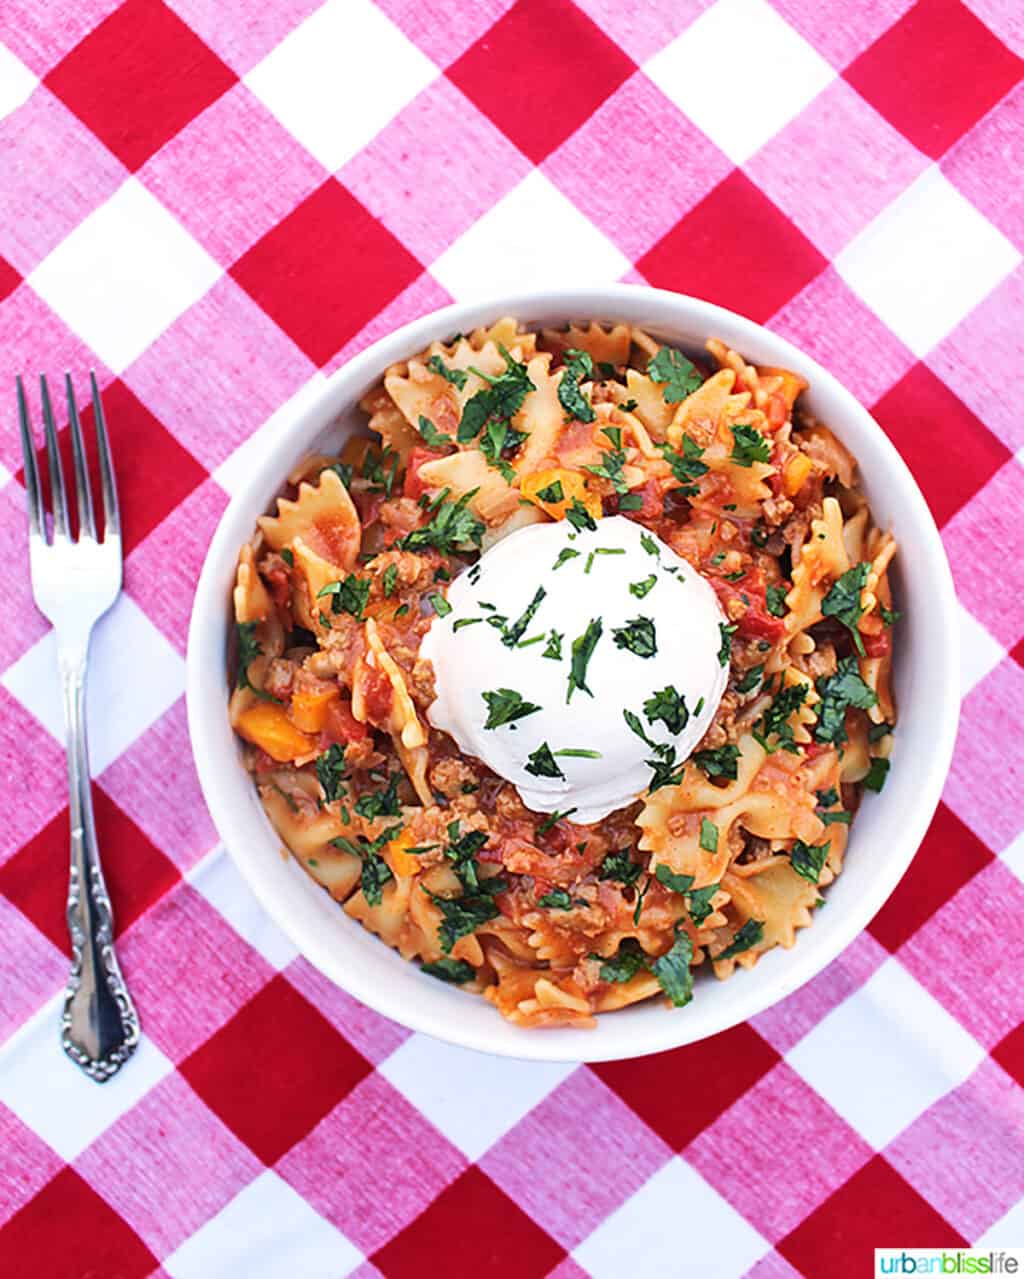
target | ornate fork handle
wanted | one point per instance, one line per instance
(99, 1025)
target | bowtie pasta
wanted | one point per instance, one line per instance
(731, 849)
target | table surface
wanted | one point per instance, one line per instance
(217, 202)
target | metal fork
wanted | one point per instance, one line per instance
(75, 581)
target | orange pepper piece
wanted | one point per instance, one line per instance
(573, 487)
(401, 863)
(267, 726)
(309, 707)
(795, 474)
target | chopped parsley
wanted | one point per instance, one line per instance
(673, 971)
(552, 492)
(582, 651)
(874, 780)
(465, 621)
(564, 555)
(348, 596)
(679, 375)
(775, 600)
(389, 579)
(456, 971)
(775, 721)
(641, 893)
(499, 440)
(748, 445)
(640, 589)
(669, 706)
(889, 616)
(514, 633)
(708, 835)
(750, 679)
(839, 816)
(838, 692)
(749, 935)
(637, 636)
(552, 819)
(376, 872)
(383, 803)
(843, 601)
(577, 752)
(579, 517)
(452, 525)
(248, 650)
(331, 772)
(343, 471)
(462, 851)
(624, 965)
(432, 437)
(686, 465)
(499, 401)
(650, 545)
(457, 377)
(380, 468)
(288, 556)
(826, 798)
(557, 898)
(504, 706)
(725, 631)
(541, 763)
(720, 762)
(439, 604)
(463, 915)
(675, 883)
(877, 731)
(611, 467)
(553, 648)
(578, 368)
(808, 859)
(699, 903)
(620, 867)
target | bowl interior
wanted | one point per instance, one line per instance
(887, 829)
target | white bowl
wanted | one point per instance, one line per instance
(885, 834)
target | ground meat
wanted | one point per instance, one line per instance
(361, 755)
(344, 644)
(279, 677)
(722, 727)
(414, 572)
(822, 661)
(449, 776)
(402, 514)
(776, 510)
(756, 849)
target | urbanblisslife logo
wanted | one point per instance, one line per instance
(949, 1261)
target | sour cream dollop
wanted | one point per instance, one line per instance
(607, 636)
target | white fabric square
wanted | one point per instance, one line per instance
(1013, 856)
(533, 238)
(886, 1054)
(979, 652)
(16, 82)
(237, 469)
(339, 77)
(926, 261)
(224, 888)
(134, 676)
(48, 1092)
(472, 1098)
(266, 1232)
(124, 274)
(676, 1224)
(741, 73)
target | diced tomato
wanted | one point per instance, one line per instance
(414, 486)
(262, 762)
(756, 622)
(879, 645)
(377, 691)
(652, 503)
(280, 586)
(813, 748)
(341, 725)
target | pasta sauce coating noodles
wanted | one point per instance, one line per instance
(730, 850)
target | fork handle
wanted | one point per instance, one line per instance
(99, 1024)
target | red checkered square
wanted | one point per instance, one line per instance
(540, 72)
(371, 1034)
(180, 947)
(1009, 1052)
(136, 872)
(916, 73)
(31, 1164)
(141, 448)
(712, 1075)
(477, 1229)
(202, 1164)
(976, 1127)
(950, 855)
(34, 770)
(138, 78)
(422, 296)
(68, 1231)
(875, 1208)
(31, 969)
(373, 1139)
(951, 453)
(161, 573)
(326, 270)
(779, 1133)
(273, 1096)
(9, 279)
(38, 139)
(718, 252)
(547, 1161)
(983, 990)
(182, 830)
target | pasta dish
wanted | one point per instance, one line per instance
(569, 676)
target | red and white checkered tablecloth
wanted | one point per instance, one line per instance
(215, 203)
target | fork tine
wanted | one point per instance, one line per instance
(32, 490)
(86, 517)
(61, 522)
(111, 514)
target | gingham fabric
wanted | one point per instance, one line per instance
(215, 203)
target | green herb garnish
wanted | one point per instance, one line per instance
(669, 706)
(457, 377)
(579, 367)
(808, 859)
(582, 651)
(708, 835)
(679, 375)
(838, 692)
(456, 971)
(720, 762)
(640, 589)
(505, 706)
(637, 636)
(748, 445)
(541, 763)
(749, 935)
(843, 601)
